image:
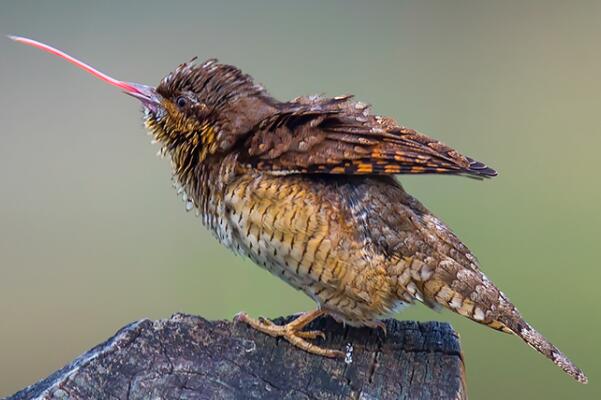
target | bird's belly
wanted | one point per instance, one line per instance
(286, 227)
(283, 237)
(261, 251)
(347, 296)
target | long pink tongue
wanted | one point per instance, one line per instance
(100, 75)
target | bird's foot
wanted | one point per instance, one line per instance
(293, 332)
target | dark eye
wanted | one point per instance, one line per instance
(181, 102)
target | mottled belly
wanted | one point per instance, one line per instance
(298, 231)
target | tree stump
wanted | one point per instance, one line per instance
(188, 357)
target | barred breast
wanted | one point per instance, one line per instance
(301, 230)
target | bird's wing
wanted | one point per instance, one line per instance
(339, 136)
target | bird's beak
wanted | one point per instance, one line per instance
(146, 94)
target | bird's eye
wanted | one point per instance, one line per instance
(181, 102)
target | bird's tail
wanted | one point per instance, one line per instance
(476, 298)
(513, 321)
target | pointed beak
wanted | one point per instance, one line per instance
(146, 94)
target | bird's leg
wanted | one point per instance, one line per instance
(293, 332)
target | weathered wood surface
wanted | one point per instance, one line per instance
(188, 357)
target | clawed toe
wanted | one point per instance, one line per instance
(382, 325)
(266, 321)
(311, 334)
(293, 332)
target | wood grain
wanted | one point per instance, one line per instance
(192, 358)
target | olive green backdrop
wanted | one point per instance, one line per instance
(92, 235)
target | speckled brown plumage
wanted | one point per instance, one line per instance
(305, 189)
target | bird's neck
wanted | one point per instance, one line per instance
(203, 182)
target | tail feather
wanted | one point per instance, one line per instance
(458, 285)
(487, 305)
(514, 322)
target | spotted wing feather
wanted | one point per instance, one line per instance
(339, 136)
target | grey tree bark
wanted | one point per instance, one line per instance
(188, 357)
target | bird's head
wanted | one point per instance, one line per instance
(204, 108)
(196, 111)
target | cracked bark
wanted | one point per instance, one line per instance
(188, 357)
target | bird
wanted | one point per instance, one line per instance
(306, 189)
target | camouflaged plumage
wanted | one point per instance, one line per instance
(338, 136)
(305, 189)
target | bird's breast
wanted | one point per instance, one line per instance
(283, 226)
(301, 230)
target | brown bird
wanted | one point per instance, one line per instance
(305, 188)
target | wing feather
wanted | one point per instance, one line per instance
(339, 136)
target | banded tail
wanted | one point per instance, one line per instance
(514, 322)
(468, 292)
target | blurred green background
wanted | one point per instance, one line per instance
(92, 235)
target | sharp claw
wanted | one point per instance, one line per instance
(338, 354)
(382, 326)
